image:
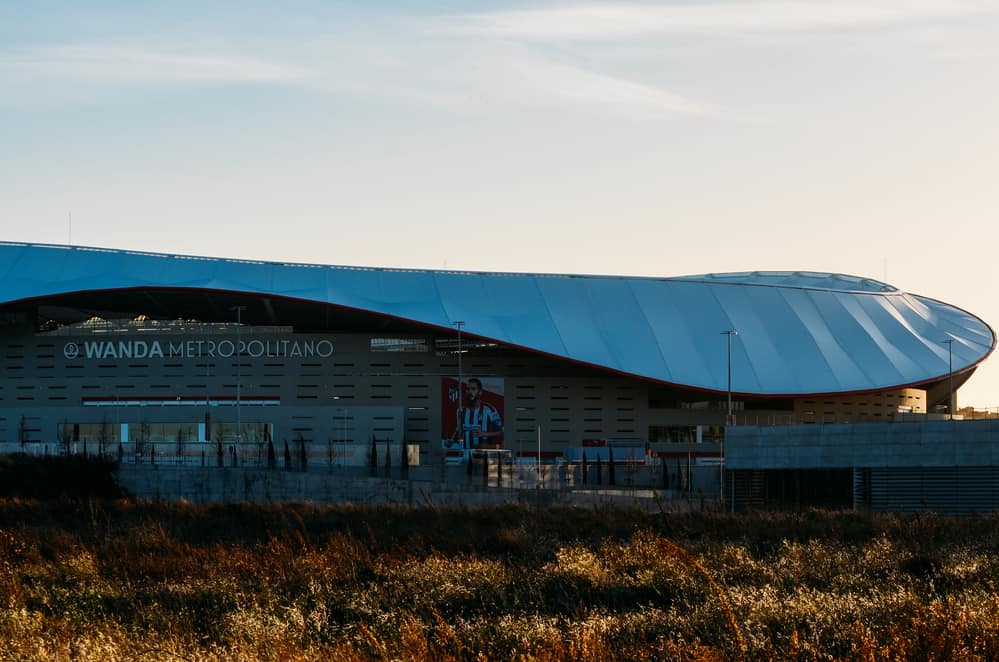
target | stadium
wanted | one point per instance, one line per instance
(147, 353)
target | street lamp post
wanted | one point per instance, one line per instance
(208, 403)
(239, 360)
(343, 436)
(340, 443)
(728, 421)
(728, 337)
(461, 404)
(539, 457)
(950, 377)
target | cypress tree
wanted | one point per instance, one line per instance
(600, 470)
(586, 469)
(271, 457)
(287, 456)
(610, 468)
(374, 457)
(405, 460)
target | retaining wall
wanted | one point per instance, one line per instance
(231, 485)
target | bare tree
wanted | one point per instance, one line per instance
(631, 468)
(388, 458)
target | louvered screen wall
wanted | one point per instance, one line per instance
(959, 490)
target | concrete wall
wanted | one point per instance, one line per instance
(230, 485)
(943, 466)
(901, 444)
(874, 407)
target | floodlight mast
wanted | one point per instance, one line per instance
(950, 377)
(728, 337)
(458, 324)
(239, 360)
(729, 420)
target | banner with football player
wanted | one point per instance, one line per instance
(473, 417)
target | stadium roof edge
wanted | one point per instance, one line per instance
(800, 332)
(793, 278)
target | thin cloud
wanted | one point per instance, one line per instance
(541, 80)
(467, 76)
(615, 21)
(118, 64)
(412, 63)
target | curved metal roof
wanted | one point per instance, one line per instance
(799, 333)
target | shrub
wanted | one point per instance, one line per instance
(116, 580)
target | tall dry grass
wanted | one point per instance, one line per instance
(118, 580)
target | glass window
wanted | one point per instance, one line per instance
(97, 433)
(399, 345)
(252, 432)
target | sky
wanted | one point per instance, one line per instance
(668, 138)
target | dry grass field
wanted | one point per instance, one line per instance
(118, 580)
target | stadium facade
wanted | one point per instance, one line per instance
(142, 351)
